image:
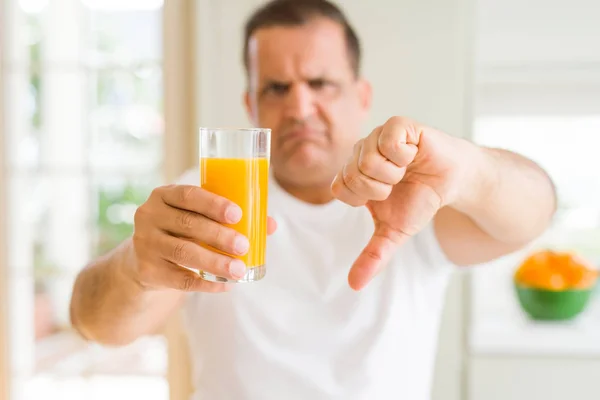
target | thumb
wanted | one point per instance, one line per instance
(374, 257)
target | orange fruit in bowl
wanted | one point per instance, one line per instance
(554, 270)
(578, 273)
(552, 285)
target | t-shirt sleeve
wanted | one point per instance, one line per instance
(429, 250)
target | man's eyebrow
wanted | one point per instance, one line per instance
(270, 81)
(269, 84)
(304, 78)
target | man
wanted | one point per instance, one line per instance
(369, 231)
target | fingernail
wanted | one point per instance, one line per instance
(237, 269)
(233, 214)
(241, 245)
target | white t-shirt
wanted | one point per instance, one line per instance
(302, 333)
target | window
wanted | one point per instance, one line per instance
(84, 121)
(566, 146)
(558, 126)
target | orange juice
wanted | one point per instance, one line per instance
(245, 182)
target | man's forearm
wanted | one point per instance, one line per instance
(507, 196)
(109, 306)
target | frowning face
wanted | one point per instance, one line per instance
(302, 86)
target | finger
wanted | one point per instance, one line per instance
(373, 164)
(201, 201)
(189, 225)
(363, 186)
(374, 257)
(398, 142)
(341, 192)
(189, 254)
(271, 226)
(339, 189)
(167, 275)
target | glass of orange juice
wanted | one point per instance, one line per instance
(234, 163)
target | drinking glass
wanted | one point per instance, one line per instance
(234, 163)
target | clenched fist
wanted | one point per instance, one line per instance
(404, 173)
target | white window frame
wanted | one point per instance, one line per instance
(4, 345)
(180, 153)
(179, 71)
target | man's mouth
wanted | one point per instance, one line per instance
(302, 134)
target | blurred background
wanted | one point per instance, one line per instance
(100, 102)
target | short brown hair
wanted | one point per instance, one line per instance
(297, 13)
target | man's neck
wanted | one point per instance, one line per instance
(314, 194)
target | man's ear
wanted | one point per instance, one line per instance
(251, 108)
(365, 95)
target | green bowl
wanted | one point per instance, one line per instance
(549, 305)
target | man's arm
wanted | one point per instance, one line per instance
(484, 203)
(111, 307)
(504, 204)
(131, 291)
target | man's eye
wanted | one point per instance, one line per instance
(277, 88)
(317, 84)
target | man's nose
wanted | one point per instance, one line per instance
(300, 102)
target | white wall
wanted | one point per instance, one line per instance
(525, 378)
(538, 42)
(540, 34)
(417, 54)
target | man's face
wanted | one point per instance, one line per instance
(302, 86)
